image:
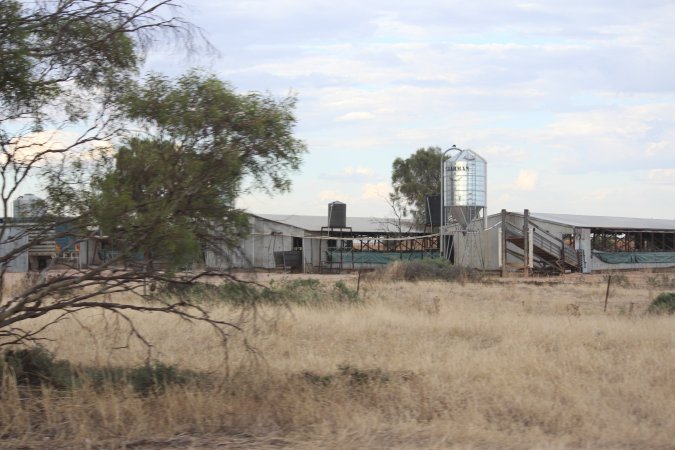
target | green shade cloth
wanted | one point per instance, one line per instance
(635, 257)
(377, 257)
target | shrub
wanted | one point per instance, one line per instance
(343, 293)
(664, 303)
(311, 292)
(358, 376)
(348, 374)
(234, 293)
(300, 292)
(36, 366)
(154, 378)
(426, 269)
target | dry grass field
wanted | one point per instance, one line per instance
(432, 365)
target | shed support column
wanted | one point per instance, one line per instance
(526, 243)
(503, 242)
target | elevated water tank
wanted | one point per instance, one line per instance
(337, 215)
(465, 184)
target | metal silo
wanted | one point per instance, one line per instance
(28, 206)
(465, 187)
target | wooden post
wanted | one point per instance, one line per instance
(526, 243)
(609, 281)
(503, 243)
(358, 282)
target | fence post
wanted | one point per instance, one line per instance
(358, 282)
(609, 281)
(503, 242)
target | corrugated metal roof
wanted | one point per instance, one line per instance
(358, 224)
(616, 223)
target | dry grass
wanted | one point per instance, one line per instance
(417, 365)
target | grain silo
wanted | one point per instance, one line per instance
(28, 206)
(464, 188)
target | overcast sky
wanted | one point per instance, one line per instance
(572, 103)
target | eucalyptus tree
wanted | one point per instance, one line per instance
(151, 165)
(415, 177)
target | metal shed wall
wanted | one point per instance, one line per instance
(20, 262)
(257, 250)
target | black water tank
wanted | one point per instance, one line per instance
(337, 215)
(432, 210)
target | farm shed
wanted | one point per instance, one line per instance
(48, 249)
(308, 244)
(566, 242)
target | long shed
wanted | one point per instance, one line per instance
(567, 242)
(306, 243)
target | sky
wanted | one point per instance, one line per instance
(571, 103)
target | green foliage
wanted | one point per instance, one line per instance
(48, 49)
(147, 379)
(664, 303)
(36, 367)
(239, 294)
(318, 379)
(349, 375)
(311, 292)
(153, 167)
(415, 177)
(206, 121)
(426, 269)
(172, 193)
(344, 293)
(307, 292)
(154, 378)
(362, 377)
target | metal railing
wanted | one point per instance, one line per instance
(550, 245)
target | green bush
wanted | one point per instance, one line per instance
(343, 293)
(348, 374)
(234, 293)
(664, 303)
(36, 366)
(300, 292)
(358, 376)
(426, 269)
(154, 378)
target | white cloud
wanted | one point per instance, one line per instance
(661, 176)
(365, 171)
(580, 94)
(356, 115)
(49, 145)
(503, 152)
(527, 180)
(375, 191)
(611, 139)
(656, 148)
(624, 123)
(600, 194)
